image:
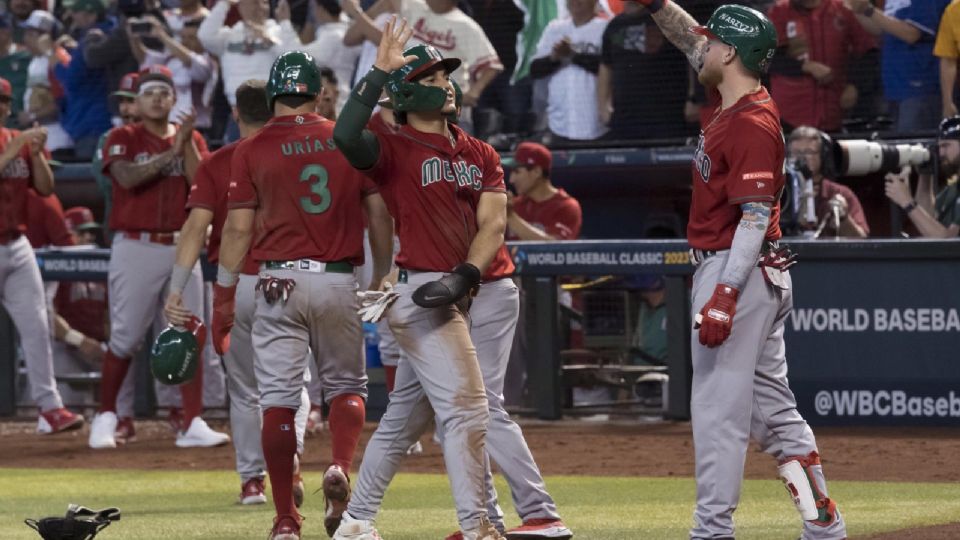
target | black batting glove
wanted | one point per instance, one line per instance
(448, 289)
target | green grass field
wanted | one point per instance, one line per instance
(183, 505)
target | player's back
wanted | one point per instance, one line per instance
(308, 197)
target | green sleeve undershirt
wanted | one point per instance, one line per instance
(358, 144)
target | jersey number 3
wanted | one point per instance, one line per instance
(317, 176)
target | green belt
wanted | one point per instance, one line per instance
(336, 267)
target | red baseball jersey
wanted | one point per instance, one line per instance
(15, 179)
(84, 305)
(739, 159)
(46, 225)
(157, 205)
(433, 189)
(307, 196)
(559, 216)
(209, 191)
(501, 266)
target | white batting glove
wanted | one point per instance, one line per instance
(374, 304)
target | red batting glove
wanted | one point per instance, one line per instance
(224, 306)
(716, 317)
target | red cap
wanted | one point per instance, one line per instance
(531, 154)
(157, 72)
(79, 218)
(128, 85)
(5, 89)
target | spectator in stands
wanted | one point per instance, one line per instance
(329, 94)
(126, 98)
(364, 31)
(642, 83)
(44, 97)
(86, 114)
(808, 76)
(194, 71)
(188, 11)
(539, 211)
(247, 49)
(934, 217)
(329, 49)
(442, 24)
(111, 50)
(569, 54)
(13, 66)
(502, 20)
(650, 334)
(806, 145)
(20, 11)
(910, 74)
(947, 48)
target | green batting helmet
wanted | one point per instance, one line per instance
(173, 357)
(293, 73)
(407, 95)
(745, 29)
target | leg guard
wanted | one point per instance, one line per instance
(802, 486)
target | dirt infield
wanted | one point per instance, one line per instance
(562, 448)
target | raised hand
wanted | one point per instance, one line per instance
(390, 51)
(185, 134)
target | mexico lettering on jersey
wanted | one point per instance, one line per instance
(308, 198)
(157, 205)
(433, 189)
(739, 159)
(15, 180)
(209, 191)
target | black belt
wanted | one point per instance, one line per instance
(697, 256)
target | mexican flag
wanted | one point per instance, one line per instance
(537, 14)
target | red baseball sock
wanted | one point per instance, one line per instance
(391, 373)
(279, 439)
(191, 394)
(111, 379)
(347, 413)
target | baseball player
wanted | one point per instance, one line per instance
(307, 204)
(208, 206)
(151, 165)
(741, 289)
(24, 167)
(447, 191)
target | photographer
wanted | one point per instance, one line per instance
(831, 202)
(934, 217)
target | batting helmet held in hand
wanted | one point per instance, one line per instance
(745, 29)
(294, 73)
(175, 354)
(407, 95)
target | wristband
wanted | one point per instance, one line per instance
(370, 86)
(226, 278)
(910, 206)
(73, 338)
(179, 278)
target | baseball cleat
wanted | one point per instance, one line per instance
(251, 492)
(58, 421)
(102, 428)
(486, 531)
(199, 435)
(540, 528)
(285, 528)
(125, 433)
(356, 529)
(415, 449)
(298, 488)
(336, 495)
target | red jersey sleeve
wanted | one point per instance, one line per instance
(492, 171)
(202, 192)
(242, 193)
(755, 159)
(118, 147)
(367, 186)
(380, 172)
(566, 224)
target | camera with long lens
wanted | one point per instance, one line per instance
(862, 157)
